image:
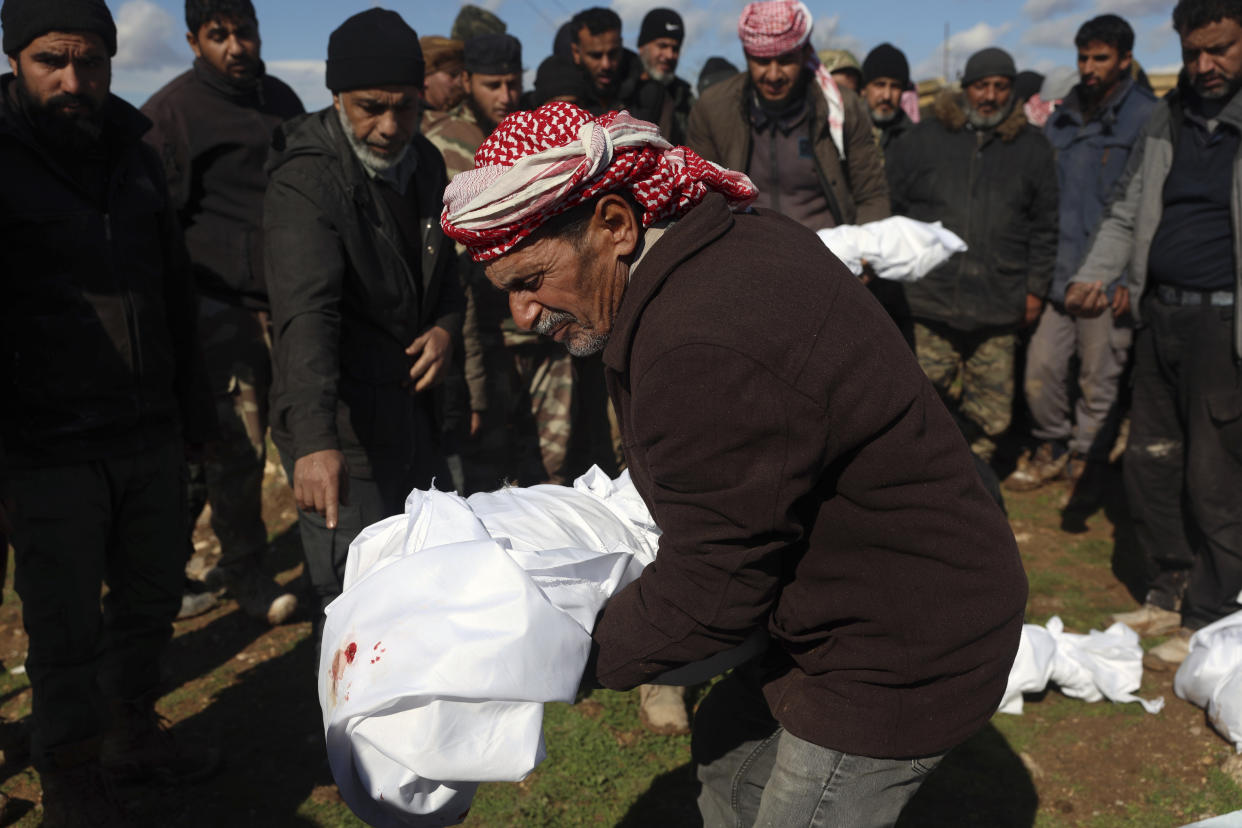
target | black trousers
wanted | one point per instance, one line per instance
(119, 521)
(1183, 461)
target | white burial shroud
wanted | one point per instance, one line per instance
(459, 619)
(897, 248)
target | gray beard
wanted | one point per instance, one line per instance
(881, 118)
(583, 343)
(987, 121)
(656, 75)
(368, 157)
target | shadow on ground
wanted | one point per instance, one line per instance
(982, 782)
(267, 726)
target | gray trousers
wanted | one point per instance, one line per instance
(755, 773)
(1101, 346)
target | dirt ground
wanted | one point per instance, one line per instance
(249, 691)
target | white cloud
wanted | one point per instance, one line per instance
(146, 36)
(962, 45)
(827, 34)
(1134, 8)
(1043, 9)
(697, 20)
(1055, 34)
(307, 79)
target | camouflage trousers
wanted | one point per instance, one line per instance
(974, 375)
(525, 430)
(238, 355)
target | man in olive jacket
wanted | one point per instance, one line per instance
(364, 292)
(806, 478)
(989, 176)
(775, 122)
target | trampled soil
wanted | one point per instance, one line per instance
(250, 691)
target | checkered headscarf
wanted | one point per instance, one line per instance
(773, 27)
(538, 164)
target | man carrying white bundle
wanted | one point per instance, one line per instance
(805, 476)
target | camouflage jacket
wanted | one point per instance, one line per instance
(456, 134)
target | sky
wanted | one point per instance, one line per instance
(1038, 33)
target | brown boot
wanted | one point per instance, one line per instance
(662, 708)
(1034, 470)
(140, 747)
(81, 797)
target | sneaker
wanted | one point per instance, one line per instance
(140, 747)
(1170, 654)
(1149, 620)
(259, 596)
(1034, 470)
(662, 709)
(196, 603)
(81, 797)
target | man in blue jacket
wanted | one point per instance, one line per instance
(1092, 132)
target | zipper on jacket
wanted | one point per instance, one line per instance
(131, 321)
(775, 174)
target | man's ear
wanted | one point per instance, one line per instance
(192, 39)
(13, 64)
(616, 219)
(336, 101)
(1126, 61)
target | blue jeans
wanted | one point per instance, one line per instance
(753, 772)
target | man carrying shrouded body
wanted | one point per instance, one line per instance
(806, 477)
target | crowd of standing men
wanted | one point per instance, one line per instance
(181, 278)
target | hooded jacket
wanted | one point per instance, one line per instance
(720, 131)
(346, 302)
(98, 352)
(1091, 157)
(213, 138)
(1122, 241)
(997, 189)
(807, 481)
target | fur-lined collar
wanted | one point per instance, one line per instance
(950, 111)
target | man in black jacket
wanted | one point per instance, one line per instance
(103, 389)
(662, 94)
(989, 176)
(213, 126)
(364, 291)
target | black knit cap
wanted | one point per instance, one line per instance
(493, 54)
(374, 48)
(24, 20)
(886, 61)
(661, 23)
(715, 70)
(558, 76)
(988, 62)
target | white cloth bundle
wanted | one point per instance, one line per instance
(1211, 676)
(1090, 667)
(897, 248)
(459, 620)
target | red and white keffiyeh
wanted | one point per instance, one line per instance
(769, 28)
(539, 164)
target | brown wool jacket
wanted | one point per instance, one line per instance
(807, 480)
(720, 131)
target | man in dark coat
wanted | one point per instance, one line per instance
(662, 97)
(806, 478)
(885, 76)
(364, 291)
(806, 142)
(104, 390)
(989, 176)
(213, 127)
